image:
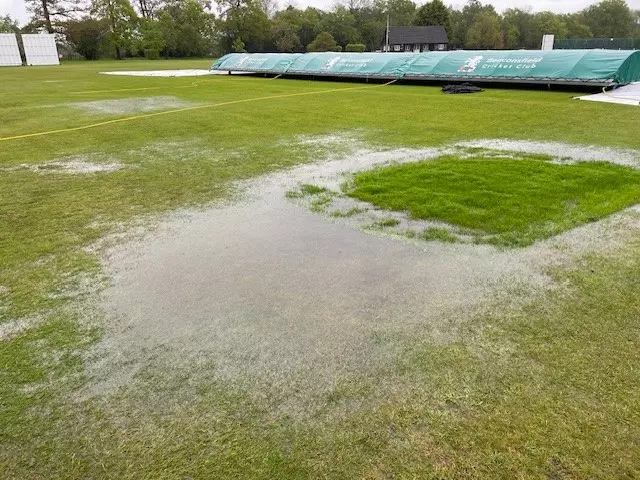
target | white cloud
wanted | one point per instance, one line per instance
(14, 8)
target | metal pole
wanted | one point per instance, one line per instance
(386, 45)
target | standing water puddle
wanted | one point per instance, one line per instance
(278, 297)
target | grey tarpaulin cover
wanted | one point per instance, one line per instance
(462, 88)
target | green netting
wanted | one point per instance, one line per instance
(600, 67)
(590, 43)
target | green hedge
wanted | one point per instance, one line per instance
(355, 47)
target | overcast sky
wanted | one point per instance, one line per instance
(16, 8)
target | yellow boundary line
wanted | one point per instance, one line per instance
(186, 109)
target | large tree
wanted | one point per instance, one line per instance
(399, 12)
(372, 33)
(324, 42)
(519, 30)
(370, 22)
(342, 26)
(434, 13)
(88, 36)
(51, 15)
(284, 30)
(310, 26)
(462, 20)
(151, 37)
(122, 22)
(243, 20)
(485, 32)
(550, 23)
(576, 26)
(610, 18)
(288, 41)
(8, 25)
(188, 28)
(269, 7)
(293, 26)
(147, 8)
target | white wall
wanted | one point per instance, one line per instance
(9, 52)
(40, 49)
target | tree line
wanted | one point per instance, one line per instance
(193, 28)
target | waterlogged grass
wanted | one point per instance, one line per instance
(513, 202)
(439, 234)
(320, 197)
(385, 223)
(535, 394)
(530, 394)
(348, 213)
(305, 190)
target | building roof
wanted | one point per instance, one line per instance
(417, 34)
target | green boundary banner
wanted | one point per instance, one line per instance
(596, 67)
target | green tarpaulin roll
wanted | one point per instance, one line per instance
(594, 67)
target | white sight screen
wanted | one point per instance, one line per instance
(40, 49)
(547, 42)
(9, 52)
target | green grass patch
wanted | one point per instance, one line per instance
(305, 190)
(514, 202)
(439, 234)
(320, 203)
(349, 213)
(385, 223)
(308, 189)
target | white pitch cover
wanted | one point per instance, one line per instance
(40, 49)
(9, 52)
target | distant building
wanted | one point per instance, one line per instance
(417, 39)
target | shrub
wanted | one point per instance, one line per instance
(151, 54)
(324, 42)
(354, 47)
